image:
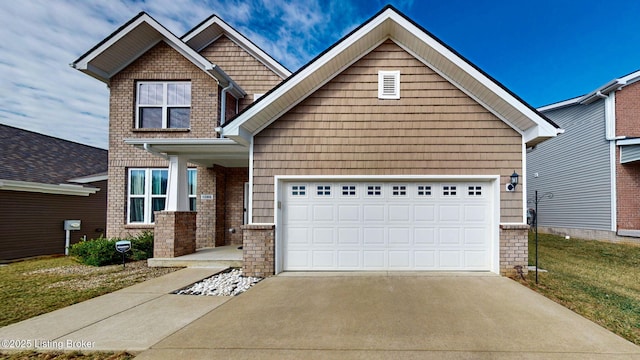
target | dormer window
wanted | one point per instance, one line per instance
(163, 105)
(388, 84)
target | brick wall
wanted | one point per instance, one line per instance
(174, 234)
(628, 175)
(258, 250)
(159, 63)
(627, 194)
(628, 111)
(514, 249)
(234, 219)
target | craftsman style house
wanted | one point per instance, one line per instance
(388, 151)
(602, 148)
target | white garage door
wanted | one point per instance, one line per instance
(387, 226)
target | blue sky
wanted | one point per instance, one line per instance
(544, 51)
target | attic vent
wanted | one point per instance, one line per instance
(388, 84)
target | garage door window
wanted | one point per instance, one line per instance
(348, 190)
(374, 190)
(298, 190)
(475, 190)
(399, 190)
(323, 190)
(449, 190)
(424, 190)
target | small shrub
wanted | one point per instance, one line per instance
(142, 246)
(102, 251)
(96, 252)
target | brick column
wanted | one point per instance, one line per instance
(258, 247)
(514, 250)
(174, 234)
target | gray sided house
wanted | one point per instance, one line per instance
(43, 182)
(388, 151)
(593, 169)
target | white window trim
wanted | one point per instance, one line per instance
(382, 75)
(148, 196)
(164, 105)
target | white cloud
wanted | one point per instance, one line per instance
(40, 92)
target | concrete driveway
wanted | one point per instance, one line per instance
(385, 316)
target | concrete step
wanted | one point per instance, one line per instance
(200, 263)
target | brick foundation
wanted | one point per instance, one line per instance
(174, 234)
(258, 250)
(514, 248)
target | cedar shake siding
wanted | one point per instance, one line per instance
(160, 63)
(32, 223)
(253, 76)
(344, 129)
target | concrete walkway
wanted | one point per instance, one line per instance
(130, 319)
(328, 316)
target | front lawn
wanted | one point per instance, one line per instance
(598, 280)
(34, 287)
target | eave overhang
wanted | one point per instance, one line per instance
(56, 189)
(204, 152)
(135, 38)
(390, 24)
(212, 28)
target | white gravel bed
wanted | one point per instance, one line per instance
(230, 283)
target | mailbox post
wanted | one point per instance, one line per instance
(69, 225)
(123, 246)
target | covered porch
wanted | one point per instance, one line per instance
(221, 197)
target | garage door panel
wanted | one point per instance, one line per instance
(449, 236)
(323, 259)
(296, 213)
(425, 259)
(349, 259)
(323, 212)
(349, 236)
(476, 213)
(374, 259)
(424, 236)
(399, 213)
(373, 213)
(399, 259)
(424, 213)
(374, 236)
(387, 226)
(450, 213)
(298, 235)
(399, 236)
(348, 213)
(323, 236)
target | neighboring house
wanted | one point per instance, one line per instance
(388, 151)
(43, 182)
(593, 170)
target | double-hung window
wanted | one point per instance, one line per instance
(148, 193)
(163, 105)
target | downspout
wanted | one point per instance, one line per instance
(223, 103)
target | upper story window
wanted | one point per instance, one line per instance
(163, 105)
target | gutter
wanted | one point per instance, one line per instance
(223, 103)
(148, 148)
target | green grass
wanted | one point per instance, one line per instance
(598, 280)
(34, 287)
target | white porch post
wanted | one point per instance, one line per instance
(177, 186)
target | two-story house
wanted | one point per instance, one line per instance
(388, 151)
(593, 170)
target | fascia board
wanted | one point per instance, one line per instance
(628, 142)
(62, 189)
(561, 104)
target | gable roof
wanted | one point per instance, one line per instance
(213, 27)
(598, 93)
(32, 157)
(131, 41)
(389, 23)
